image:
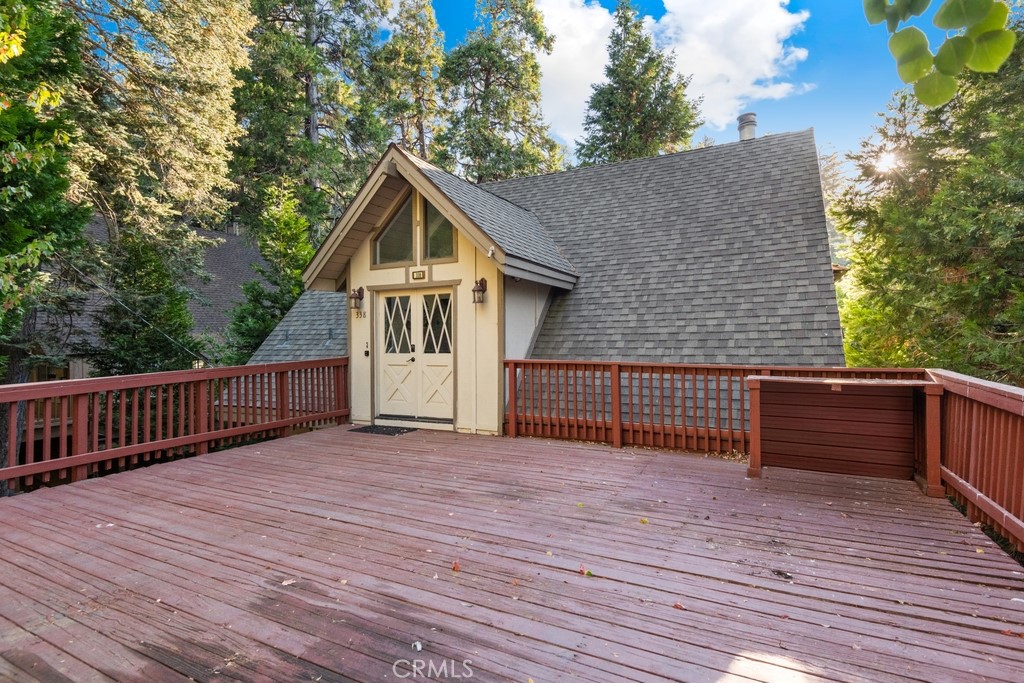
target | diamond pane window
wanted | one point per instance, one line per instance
(437, 323)
(395, 243)
(440, 234)
(397, 324)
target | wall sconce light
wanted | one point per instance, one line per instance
(478, 290)
(356, 299)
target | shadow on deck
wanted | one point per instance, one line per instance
(326, 556)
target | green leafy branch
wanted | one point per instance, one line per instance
(981, 42)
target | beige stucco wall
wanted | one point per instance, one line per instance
(478, 328)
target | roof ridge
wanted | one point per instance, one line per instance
(657, 157)
(418, 159)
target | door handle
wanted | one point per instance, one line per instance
(413, 359)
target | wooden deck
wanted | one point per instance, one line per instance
(326, 556)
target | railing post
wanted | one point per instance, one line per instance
(513, 400)
(616, 405)
(931, 482)
(754, 468)
(281, 410)
(80, 435)
(202, 417)
(341, 392)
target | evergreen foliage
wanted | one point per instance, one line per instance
(38, 221)
(493, 82)
(155, 135)
(938, 233)
(148, 328)
(311, 117)
(285, 246)
(642, 109)
(406, 71)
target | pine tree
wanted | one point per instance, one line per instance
(148, 328)
(155, 134)
(497, 129)
(38, 59)
(38, 223)
(642, 110)
(406, 70)
(312, 118)
(938, 233)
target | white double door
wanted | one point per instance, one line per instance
(416, 368)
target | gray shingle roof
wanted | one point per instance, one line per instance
(515, 229)
(230, 264)
(717, 255)
(316, 327)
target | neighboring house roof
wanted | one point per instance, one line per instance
(316, 327)
(716, 255)
(230, 264)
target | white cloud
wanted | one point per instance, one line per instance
(581, 31)
(737, 51)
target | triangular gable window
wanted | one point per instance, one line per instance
(439, 238)
(395, 242)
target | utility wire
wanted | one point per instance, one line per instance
(197, 356)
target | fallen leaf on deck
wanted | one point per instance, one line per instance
(579, 505)
(287, 582)
(784, 616)
(781, 574)
(515, 582)
(678, 605)
(455, 566)
(979, 551)
(583, 570)
(644, 520)
(344, 582)
(548, 553)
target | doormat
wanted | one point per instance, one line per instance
(385, 431)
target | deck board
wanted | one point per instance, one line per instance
(324, 556)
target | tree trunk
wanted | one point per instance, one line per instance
(312, 96)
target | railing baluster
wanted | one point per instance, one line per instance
(47, 427)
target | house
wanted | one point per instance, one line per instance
(428, 282)
(230, 263)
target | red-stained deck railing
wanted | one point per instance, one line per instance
(691, 407)
(68, 430)
(982, 435)
(969, 433)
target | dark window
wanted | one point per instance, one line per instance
(395, 243)
(439, 242)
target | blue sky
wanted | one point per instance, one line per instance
(799, 64)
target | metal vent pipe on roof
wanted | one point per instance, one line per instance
(748, 126)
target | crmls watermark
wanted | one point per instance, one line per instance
(426, 668)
